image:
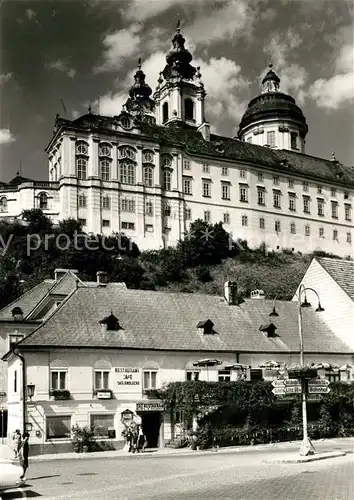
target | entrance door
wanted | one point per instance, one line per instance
(150, 423)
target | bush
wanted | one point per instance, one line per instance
(83, 439)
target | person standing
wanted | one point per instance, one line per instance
(141, 441)
(16, 438)
(24, 455)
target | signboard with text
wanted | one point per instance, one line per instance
(150, 406)
(127, 379)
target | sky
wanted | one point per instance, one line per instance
(60, 56)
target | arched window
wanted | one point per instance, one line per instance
(127, 173)
(104, 149)
(81, 148)
(167, 180)
(3, 204)
(165, 112)
(43, 201)
(81, 168)
(166, 161)
(54, 173)
(82, 200)
(105, 170)
(148, 156)
(148, 176)
(127, 152)
(188, 109)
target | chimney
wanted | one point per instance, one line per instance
(101, 278)
(257, 294)
(204, 129)
(59, 273)
(230, 292)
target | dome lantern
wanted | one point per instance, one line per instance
(271, 81)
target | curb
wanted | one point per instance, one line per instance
(311, 458)
(180, 453)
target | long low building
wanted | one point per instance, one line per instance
(93, 360)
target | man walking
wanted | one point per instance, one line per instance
(24, 455)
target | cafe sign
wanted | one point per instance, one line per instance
(128, 379)
(150, 406)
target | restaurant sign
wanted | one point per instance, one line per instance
(128, 379)
(150, 406)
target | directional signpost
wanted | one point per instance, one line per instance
(286, 386)
(316, 387)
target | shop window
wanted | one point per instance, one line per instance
(101, 424)
(58, 427)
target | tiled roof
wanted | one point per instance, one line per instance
(286, 162)
(342, 271)
(28, 301)
(162, 320)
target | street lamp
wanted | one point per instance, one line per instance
(306, 446)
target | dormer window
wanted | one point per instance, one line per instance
(207, 326)
(17, 314)
(268, 329)
(111, 322)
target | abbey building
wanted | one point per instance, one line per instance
(154, 168)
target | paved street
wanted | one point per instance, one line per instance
(239, 475)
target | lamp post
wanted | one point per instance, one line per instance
(306, 445)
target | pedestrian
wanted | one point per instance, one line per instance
(141, 441)
(24, 455)
(16, 442)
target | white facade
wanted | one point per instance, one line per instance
(47, 416)
(338, 307)
(152, 191)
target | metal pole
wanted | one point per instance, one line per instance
(306, 446)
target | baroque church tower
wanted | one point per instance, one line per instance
(180, 93)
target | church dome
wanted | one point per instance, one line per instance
(272, 104)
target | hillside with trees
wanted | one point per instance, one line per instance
(32, 248)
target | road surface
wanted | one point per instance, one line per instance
(237, 476)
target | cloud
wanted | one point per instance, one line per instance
(338, 89)
(6, 136)
(120, 45)
(61, 65)
(4, 77)
(225, 22)
(142, 10)
(30, 14)
(280, 48)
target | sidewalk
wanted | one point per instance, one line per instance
(288, 456)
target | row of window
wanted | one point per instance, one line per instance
(227, 220)
(42, 202)
(261, 198)
(124, 152)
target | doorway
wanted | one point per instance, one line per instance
(150, 423)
